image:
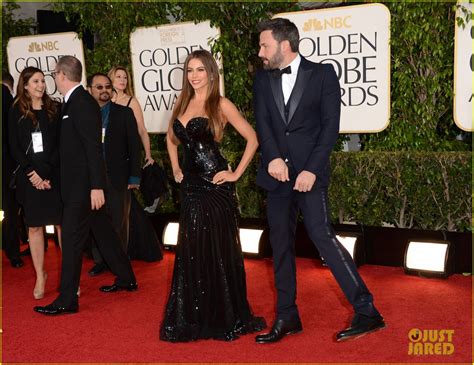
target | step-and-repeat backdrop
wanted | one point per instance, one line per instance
(158, 55)
(355, 40)
(359, 51)
(43, 51)
(463, 67)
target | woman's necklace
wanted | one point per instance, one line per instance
(120, 97)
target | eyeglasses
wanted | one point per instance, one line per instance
(101, 87)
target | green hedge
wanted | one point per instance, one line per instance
(421, 190)
(424, 190)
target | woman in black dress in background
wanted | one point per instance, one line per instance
(208, 296)
(33, 137)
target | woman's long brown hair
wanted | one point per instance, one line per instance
(23, 98)
(211, 106)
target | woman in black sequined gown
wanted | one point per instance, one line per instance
(208, 296)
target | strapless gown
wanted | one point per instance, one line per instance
(208, 296)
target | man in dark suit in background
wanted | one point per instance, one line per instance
(10, 207)
(82, 191)
(297, 108)
(121, 148)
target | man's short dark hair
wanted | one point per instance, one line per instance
(71, 67)
(282, 30)
(7, 79)
(91, 78)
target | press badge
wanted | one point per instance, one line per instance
(103, 135)
(37, 139)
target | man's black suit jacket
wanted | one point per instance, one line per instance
(306, 140)
(80, 150)
(122, 146)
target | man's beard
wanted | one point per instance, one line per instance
(104, 97)
(275, 61)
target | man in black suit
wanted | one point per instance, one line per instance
(121, 148)
(297, 108)
(10, 207)
(82, 191)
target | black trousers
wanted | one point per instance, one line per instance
(282, 212)
(10, 231)
(78, 221)
(117, 206)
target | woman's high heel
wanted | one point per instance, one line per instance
(38, 293)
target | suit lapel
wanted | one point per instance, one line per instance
(275, 84)
(304, 74)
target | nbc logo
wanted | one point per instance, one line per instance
(43, 46)
(331, 23)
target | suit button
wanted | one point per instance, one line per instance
(287, 133)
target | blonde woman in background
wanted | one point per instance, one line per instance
(123, 95)
(143, 242)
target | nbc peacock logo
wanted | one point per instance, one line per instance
(43, 46)
(336, 22)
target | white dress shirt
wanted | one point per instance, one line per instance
(288, 80)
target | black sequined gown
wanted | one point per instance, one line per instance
(208, 296)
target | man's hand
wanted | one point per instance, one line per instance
(304, 181)
(97, 199)
(277, 169)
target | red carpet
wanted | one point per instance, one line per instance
(123, 327)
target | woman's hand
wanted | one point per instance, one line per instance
(35, 179)
(225, 176)
(178, 175)
(149, 161)
(46, 185)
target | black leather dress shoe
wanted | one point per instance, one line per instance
(115, 287)
(54, 310)
(17, 263)
(97, 269)
(280, 329)
(360, 326)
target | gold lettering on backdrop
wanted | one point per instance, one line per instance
(43, 46)
(172, 36)
(336, 22)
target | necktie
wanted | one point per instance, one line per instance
(277, 72)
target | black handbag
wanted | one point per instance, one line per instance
(12, 180)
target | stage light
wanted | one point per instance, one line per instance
(170, 234)
(1, 215)
(250, 240)
(49, 229)
(349, 243)
(428, 258)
